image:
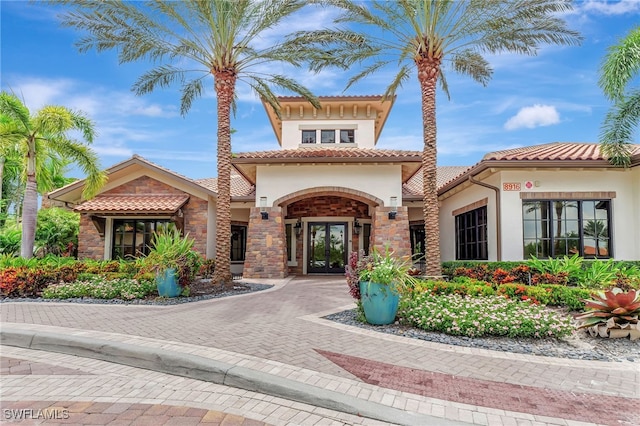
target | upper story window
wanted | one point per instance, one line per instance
(555, 228)
(328, 136)
(347, 136)
(308, 136)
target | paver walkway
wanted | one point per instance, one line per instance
(285, 325)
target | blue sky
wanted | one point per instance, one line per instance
(552, 97)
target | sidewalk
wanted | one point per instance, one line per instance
(276, 341)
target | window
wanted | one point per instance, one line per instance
(238, 242)
(308, 136)
(366, 238)
(288, 229)
(133, 238)
(328, 136)
(471, 235)
(417, 240)
(347, 136)
(556, 228)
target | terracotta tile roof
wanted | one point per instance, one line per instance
(322, 152)
(240, 187)
(413, 187)
(133, 203)
(557, 151)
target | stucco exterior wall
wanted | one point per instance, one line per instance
(625, 207)
(382, 181)
(364, 134)
(470, 195)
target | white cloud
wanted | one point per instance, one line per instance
(533, 116)
(609, 7)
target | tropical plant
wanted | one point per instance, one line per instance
(169, 249)
(40, 137)
(619, 68)
(612, 313)
(387, 269)
(57, 231)
(221, 38)
(10, 239)
(424, 35)
(599, 274)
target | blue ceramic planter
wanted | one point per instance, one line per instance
(379, 301)
(167, 282)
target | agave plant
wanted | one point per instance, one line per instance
(612, 313)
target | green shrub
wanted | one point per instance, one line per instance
(57, 232)
(10, 240)
(99, 288)
(482, 316)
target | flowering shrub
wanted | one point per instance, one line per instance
(357, 263)
(99, 288)
(482, 316)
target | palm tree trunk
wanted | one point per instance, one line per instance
(29, 205)
(428, 71)
(225, 83)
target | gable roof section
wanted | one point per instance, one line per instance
(246, 162)
(564, 155)
(240, 187)
(413, 188)
(126, 204)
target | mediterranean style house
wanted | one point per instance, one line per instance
(329, 191)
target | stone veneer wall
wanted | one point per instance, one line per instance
(393, 233)
(90, 243)
(266, 255)
(195, 223)
(328, 206)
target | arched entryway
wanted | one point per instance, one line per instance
(324, 225)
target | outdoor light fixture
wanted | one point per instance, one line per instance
(394, 207)
(356, 227)
(263, 208)
(298, 227)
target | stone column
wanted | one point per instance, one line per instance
(266, 255)
(392, 233)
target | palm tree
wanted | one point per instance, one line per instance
(424, 35)
(620, 66)
(191, 40)
(42, 138)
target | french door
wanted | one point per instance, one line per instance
(327, 247)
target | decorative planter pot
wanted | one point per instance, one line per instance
(379, 301)
(167, 283)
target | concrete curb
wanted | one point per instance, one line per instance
(200, 368)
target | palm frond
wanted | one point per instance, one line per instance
(190, 91)
(368, 70)
(88, 162)
(472, 64)
(401, 77)
(162, 76)
(618, 129)
(14, 109)
(620, 65)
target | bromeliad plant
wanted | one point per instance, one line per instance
(387, 269)
(612, 313)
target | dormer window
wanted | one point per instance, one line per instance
(328, 136)
(308, 136)
(347, 136)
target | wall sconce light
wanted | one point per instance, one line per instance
(394, 207)
(298, 227)
(356, 227)
(263, 208)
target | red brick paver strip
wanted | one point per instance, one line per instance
(600, 409)
(52, 413)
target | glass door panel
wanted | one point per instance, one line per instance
(327, 243)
